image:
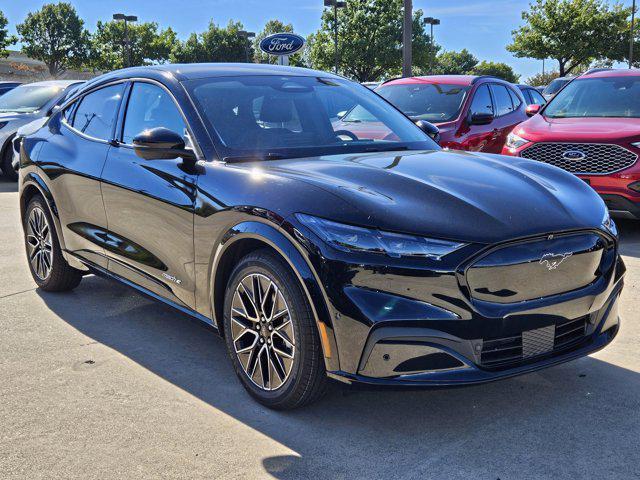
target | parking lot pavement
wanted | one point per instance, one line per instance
(104, 383)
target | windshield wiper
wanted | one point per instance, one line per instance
(388, 149)
(254, 158)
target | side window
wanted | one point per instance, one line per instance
(482, 101)
(536, 97)
(502, 99)
(150, 107)
(96, 114)
(515, 99)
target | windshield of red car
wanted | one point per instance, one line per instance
(291, 116)
(597, 97)
(435, 103)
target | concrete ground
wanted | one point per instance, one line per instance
(104, 383)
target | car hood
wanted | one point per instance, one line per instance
(540, 128)
(462, 196)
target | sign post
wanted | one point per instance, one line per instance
(282, 45)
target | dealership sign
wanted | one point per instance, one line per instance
(281, 44)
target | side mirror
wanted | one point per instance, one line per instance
(161, 144)
(481, 118)
(52, 110)
(430, 129)
(533, 109)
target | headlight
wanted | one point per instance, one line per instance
(636, 144)
(514, 141)
(348, 238)
(609, 224)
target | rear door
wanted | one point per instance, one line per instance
(150, 203)
(479, 137)
(73, 158)
(506, 116)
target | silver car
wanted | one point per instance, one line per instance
(23, 105)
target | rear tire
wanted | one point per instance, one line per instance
(48, 267)
(5, 163)
(275, 348)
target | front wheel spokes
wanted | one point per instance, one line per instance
(264, 342)
(39, 246)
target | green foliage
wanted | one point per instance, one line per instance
(147, 44)
(55, 34)
(216, 44)
(573, 32)
(540, 79)
(455, 63)
(496, 69)
(271, 27)
(370, 40)
(5, 38)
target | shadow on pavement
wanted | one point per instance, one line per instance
(7, 186)
(629, 231)
(560, 423)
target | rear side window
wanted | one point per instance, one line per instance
(502, 99)
(150, 107)
(482, 101)
(96, 114)
(515, 99)
(536, 97)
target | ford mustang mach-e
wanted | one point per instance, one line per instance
(226, 191)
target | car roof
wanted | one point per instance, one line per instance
(613, 72)
(463, 80)
(193, 71)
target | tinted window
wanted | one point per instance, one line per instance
(536, 97)
(150, 107)
(515, 100)
(598, 97)
(482, 101)
(431, 102)
(288, 117)
(96, 114)
(503, 100)
(556, 85)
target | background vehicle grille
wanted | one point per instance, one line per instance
(599, 159)
(509, 351)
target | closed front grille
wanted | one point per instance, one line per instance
(510, 351)
(582, 158)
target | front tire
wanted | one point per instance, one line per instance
(48, 267)
(271, 334)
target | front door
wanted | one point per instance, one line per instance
(150, 203)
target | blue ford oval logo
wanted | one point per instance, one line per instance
(573, 155)
(281, 44)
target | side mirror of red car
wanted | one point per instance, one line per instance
(533, 109)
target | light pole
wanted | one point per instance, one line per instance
(431, 21)
(336, 4)
(246, 36)
(631, 40)
(407, 25)
(126, 48)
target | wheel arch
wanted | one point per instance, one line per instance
(254, 235)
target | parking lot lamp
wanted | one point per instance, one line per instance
(336, 4)
(246, 36)
(631, 40)
(432, 53)
(127, 46)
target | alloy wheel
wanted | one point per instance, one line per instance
(39, 246)
(262, 330)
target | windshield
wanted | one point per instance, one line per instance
(28, 98)
(598, 97)
(435, 103)
(555, 86)
(285, 117)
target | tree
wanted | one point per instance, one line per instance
(216, 44)
(542, 79)
(496, 69)
(573, 32)
(147, 44)
(455, 63)
(370, 40)
(55, 34)
(5, 38)
(271, 27)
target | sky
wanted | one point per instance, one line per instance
(481, 26)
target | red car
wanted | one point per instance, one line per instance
(590, 128)
(472, 112)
